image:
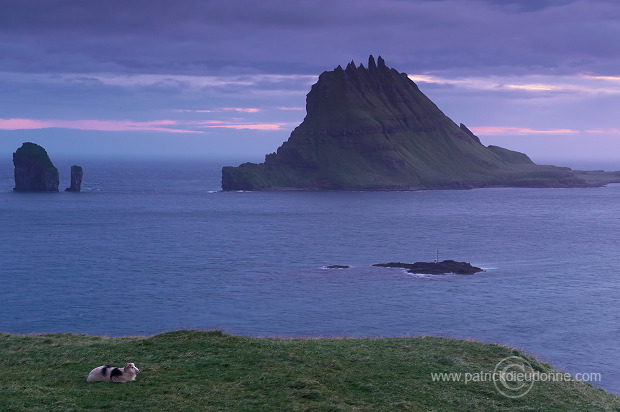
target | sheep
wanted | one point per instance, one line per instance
(107, 373)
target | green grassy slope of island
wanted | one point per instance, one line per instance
(197, 371)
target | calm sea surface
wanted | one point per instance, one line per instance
(147, 248)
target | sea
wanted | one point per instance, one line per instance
(154, 246)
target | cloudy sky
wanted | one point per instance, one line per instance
(228, 79)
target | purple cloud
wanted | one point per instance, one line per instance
(200, 37)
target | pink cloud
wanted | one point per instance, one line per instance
(613, 130)
(193, 111)
(612, 78)
(203, 122)
(535, 87)
(428, 79)
(222, 109)
(291, 108)
(257, 126)
(103, 125)
(496, 130)
(17, 124)
(241, 109)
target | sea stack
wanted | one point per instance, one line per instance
(371, 128)
(34, 171)
(76, 179)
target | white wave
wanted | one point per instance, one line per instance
(421, 275)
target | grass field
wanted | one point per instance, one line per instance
(202, 371)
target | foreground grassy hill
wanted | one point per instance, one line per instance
(197, 371)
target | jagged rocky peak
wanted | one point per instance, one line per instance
(77, 174)
(371, 65)
(373, 129)
(380, 64)
(34, 171)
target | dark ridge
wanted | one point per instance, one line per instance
(469, 133)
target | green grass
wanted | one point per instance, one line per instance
(198, 371)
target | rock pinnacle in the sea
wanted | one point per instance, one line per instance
(76, 179)
(34, 171)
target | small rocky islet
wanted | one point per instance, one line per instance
(445, 267)
(435, 268)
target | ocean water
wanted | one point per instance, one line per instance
(152, 247)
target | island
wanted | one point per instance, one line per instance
(435, 268)
(371, 128)
(336, 267)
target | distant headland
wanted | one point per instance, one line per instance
(371, 128)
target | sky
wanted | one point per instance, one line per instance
(215, 79)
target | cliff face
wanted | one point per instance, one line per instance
(34, 171)
(373, 129)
